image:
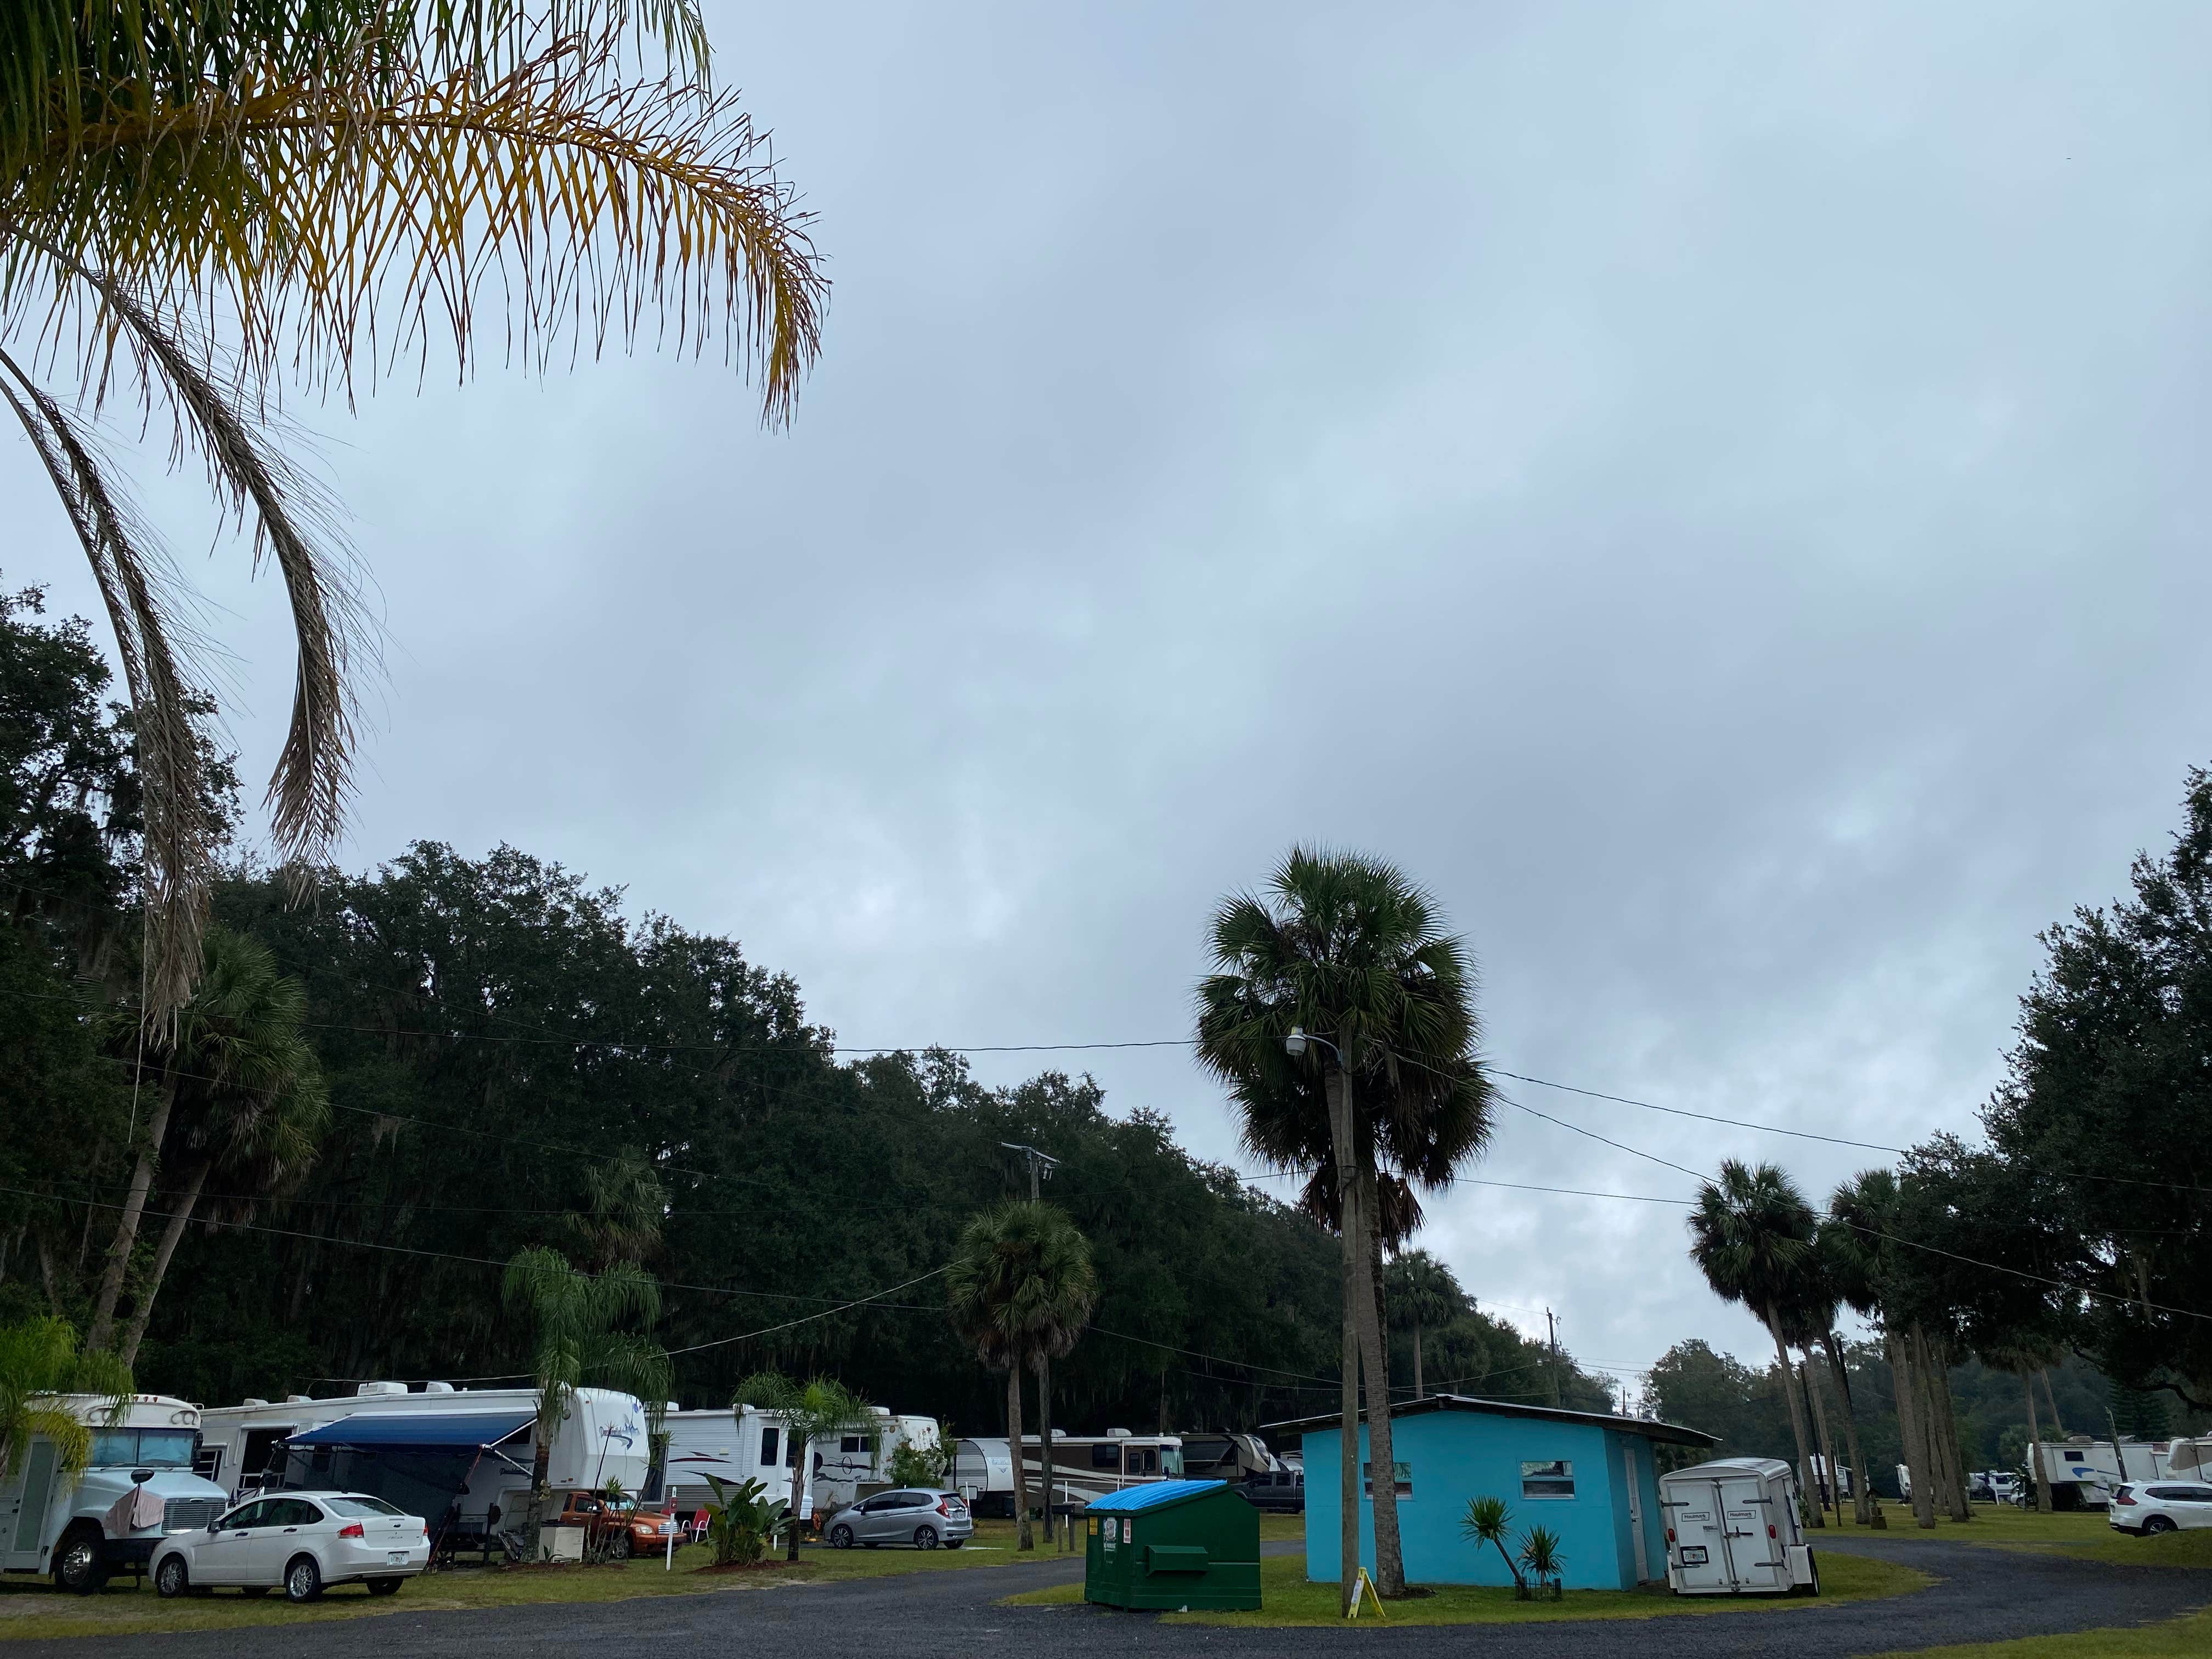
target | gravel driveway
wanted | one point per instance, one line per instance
(1984, 1594)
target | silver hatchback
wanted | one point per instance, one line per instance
(909, 1514)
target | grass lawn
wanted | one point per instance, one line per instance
(1290, 1599)
(2187, 1637)
(2084, 1534)
(33, 1607)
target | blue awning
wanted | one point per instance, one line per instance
(452, 1430)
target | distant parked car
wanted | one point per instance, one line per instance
(623, 1530)
(919, 1515)
(300, 1541)
(2160, 1506)
(1283, 1490)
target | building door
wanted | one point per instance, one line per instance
(1636, 1514)
(24, 1545)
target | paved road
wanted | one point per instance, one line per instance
(1984, 1594)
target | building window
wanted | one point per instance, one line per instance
(1555, 1478)
(1403, 1482)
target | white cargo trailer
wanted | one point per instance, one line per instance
(603, 1440)
(79, 1530)
(1733, 1529)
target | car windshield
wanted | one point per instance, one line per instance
(156, 1449)
(360, 1506)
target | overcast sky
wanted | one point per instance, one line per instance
(1716, 492)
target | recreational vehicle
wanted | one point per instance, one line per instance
(2082, 1473)
(749, 1444)
(82, 1530)
(1083, 1467)
(602, 1441)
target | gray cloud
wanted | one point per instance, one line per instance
(1715, 493)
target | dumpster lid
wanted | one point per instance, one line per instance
(1155, 1496)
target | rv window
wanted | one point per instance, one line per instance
(768, 1447)
(1555, 1478)
(1152, 1460)
(1106, 1456)
(1171, 1459)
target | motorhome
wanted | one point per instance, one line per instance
(602, 1441)
(77, 1529)
(749, 1444)
(1084, 1467)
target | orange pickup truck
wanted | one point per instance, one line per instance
(619, 1529)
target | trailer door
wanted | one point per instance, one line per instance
(1701, 1551)
(26, 1548)
(1755, 1557)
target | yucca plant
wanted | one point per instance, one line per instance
(1540, 1553)
(197, 196)
(1487, 1521)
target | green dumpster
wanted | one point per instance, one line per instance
(1172, 1544)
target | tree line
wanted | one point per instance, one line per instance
(375, 1101)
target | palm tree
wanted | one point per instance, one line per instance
(1751, 1237)
(810, 1410)
(234, 1084)
(1343, 1018)
(1862, 1213)
(575, 1323)
(1421, 1291)
(206, 195)
(1020, 1289)
(1842, 1273)
(39, 1364)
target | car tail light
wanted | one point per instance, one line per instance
(356, 1530)
(941, 1509)
(2125, 1498)
(1670, 1534)
(1770, 1530)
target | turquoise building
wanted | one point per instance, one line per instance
(1588, 1478)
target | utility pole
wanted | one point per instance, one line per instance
(1042, 1164)
(1552, 1341)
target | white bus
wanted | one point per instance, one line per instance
(72, 1529)
(602, 1441)
(1084, 1467)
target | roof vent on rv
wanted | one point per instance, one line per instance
(1117, 1434)
(381, 1387)
(437, 1387)
(1059, 1434)
(250, 1401)
(296, 1400)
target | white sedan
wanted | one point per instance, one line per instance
(2148, 1510)
(300, 1541)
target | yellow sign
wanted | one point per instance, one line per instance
(1366, 1585)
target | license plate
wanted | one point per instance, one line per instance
(396, 1558)
(1694, 1555)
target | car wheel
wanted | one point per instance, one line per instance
(303, 1579)
(925, 1537)
(2157, 1524)
(619, 1547)
(954, 1543)
(172, 1577)
(841, 1538)
(384, 1586)
(77, 1566)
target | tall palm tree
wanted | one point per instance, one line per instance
(230, 1077)
(1843, 1275)
(1751, 1237)
(1020, 1289)
(1863, 1215)
(810, 1410)
(39, 1364)
(205, 194)
(577, 1340)
(1342, 1018)
(1421, 1291)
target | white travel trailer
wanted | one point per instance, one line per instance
(79, 1530)
(1733, 1529)
(603, 1440)
(749, 1444)
(2082, 1473)
(983, 1474)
